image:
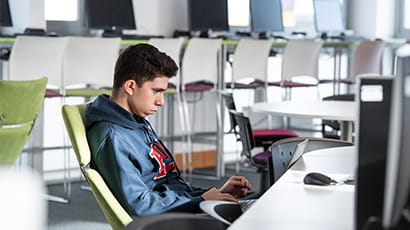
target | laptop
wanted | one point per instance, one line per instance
(297, 154)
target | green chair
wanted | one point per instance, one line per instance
(74, 119)
(20, 104)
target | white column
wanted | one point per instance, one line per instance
(372, 18)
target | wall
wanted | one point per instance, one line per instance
(372, 18)
(26, 14)
(159, 17)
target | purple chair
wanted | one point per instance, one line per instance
(263, 137)
(259, 160)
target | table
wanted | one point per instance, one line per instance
(345, 111)
(289, 204)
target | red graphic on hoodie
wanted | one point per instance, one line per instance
(159, 153)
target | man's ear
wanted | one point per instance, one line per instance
(129, 87)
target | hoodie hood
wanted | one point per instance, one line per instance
(103, 109)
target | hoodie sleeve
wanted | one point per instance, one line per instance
(124, 176)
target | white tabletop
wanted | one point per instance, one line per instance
(330, 110)
(289, 204)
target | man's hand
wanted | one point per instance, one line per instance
(215, 194)
(236, 186)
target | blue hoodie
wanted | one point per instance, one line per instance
(135, 164)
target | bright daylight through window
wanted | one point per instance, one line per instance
(61, 10)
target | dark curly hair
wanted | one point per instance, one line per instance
(142, 62)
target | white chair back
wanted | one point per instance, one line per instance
(251, 59)
(90, 60)
(367, 58)
(301, 58)
(172, 47)
(33, 57)
(200, 61)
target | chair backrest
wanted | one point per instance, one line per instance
(301, 58)
(200, 61)
(251, 59)
(90, 60)
(230, 105)
(74, 119)
(367, 58)
(245, 133)
(282, 150)
(20, 104)
(33, 57)
(172, 47)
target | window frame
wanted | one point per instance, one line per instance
(78, 27)
(400, 31)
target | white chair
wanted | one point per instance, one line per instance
(172, 47)
(367, 59)
(33, 57)
(250, 64)
(199, 73)
(89, 60)
(299, 65)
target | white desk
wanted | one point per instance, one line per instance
(344, 111)
(289, 204)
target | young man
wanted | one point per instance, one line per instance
(136, 165)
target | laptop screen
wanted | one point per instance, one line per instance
(297, 154)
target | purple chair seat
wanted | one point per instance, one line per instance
(290, 84)
(171, 86)
(253, 85)
(198, 86)
(331, 136)
(261, 158)
(50, 94)
(263, 133)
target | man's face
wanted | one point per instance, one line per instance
(147, 99)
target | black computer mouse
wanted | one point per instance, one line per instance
(315, 178)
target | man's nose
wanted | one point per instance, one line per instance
(160, 100)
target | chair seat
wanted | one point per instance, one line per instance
(345, 81)
(331, 136)
(263, 133)
(261, 158)
(50, 94)
(195, 87)
(290, 84)
(253, 85)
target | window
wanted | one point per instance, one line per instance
(238, 13)
(403, 19)
(66, 17)
(61, 10)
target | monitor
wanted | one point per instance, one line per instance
(5, 16)
(111, 16)
(397, 186)
(205, 15)
(328, 16)
(266, 16)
